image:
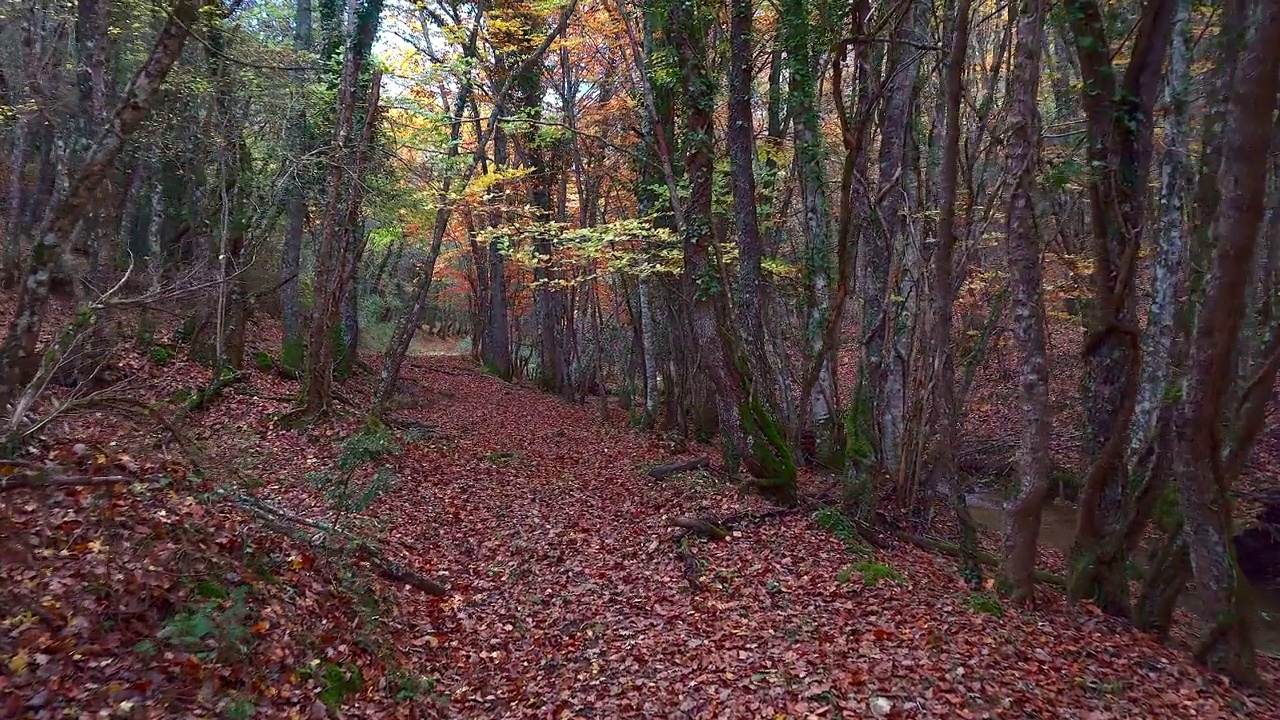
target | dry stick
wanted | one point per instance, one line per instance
(35, 481)
(287, 523)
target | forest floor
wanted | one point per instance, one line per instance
(569, 592)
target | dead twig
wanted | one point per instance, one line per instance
(40, 480)
(288, 523)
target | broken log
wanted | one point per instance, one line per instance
(661, 472)
(700, 526)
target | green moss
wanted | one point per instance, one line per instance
(343, 361)
(263, 361)
(858, 446)
(873, 572)
(985, 603)
(161, 355)
(768, 457)
(292, 354)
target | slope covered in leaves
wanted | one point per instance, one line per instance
(569, 595)
(569, 598)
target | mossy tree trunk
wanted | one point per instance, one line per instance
(750, 435)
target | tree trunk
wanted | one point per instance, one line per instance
(13, 224)
(741, 145)
(291, 252)
(330, 255)
(1228, 645)
(942, 416)
(1118, 109)
(1022, 514)
(886, 296)
(818, 393)
(18, 356)
(749, 433)
(1167, 278)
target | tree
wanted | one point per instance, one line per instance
(1228, 643)
(1022, 524)
(1119, 129)
(291, 255)
(18, 355)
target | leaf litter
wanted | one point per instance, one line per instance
(566, 594)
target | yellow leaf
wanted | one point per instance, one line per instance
(18, 662)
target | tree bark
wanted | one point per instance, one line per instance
(942, 416)
(331, 255)
(741, 145)
(1022, 514)
(1118, 112)
(291, 252)
(888, 297)
(1228, 645)
(749, 433)
(1167, 278)
(818, 394)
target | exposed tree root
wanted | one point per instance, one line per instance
(945, 548)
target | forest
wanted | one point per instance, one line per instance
(639, 358)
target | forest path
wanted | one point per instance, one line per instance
(568, 599)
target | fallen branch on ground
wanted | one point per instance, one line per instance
(288, 523)
(661, 472)
(945, 548)
(39, 480)
(715, 529)
(221, 382)
(700, 526)
(285, 522)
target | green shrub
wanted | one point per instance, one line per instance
(985, 603)
(836, 523)
(343, 491)
(161, 355)
(337, 682)
(217, 625)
